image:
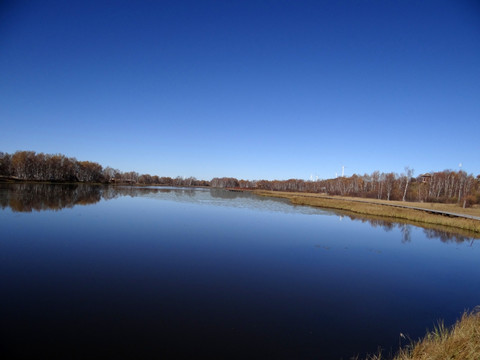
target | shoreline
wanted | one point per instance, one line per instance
(425, 215)
(459, 341)
(449, 216)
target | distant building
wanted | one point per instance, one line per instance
(426, 178)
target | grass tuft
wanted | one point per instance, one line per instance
(459, 342)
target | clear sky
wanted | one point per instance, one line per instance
(249, 89)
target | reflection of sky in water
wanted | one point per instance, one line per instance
(41, 197)
(220, 197)
(203, 267)
(246, 200)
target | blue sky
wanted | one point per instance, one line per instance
(249, 89)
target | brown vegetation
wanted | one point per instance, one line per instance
(456, 187)
(31, 166)
(445, 187)
(461, 341)
(28, 165)
(377, 208)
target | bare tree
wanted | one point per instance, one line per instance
(389, 183)
(408, 175)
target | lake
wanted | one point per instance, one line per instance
(149, 272)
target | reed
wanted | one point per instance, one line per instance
(461, 341)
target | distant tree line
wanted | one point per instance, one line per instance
(31, 166)
(28, 165)
(443, 186)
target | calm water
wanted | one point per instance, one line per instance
(145, 272)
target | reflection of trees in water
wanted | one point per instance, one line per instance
(178, 193)
(145, 191)
(131, 191)
(29, 197)
(230, 195)
(225, 194)
(386, 225)
(406, 230)
(406, 233)
(38, 197)
(110, 193)
(185, 192)
(445, 236)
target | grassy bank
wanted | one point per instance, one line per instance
(461, 341)
(382, 209)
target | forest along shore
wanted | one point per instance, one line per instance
(429, 213)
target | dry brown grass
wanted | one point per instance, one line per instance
(460, 342)
(380, 208)
(454, 208)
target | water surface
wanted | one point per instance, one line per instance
(149, 272)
